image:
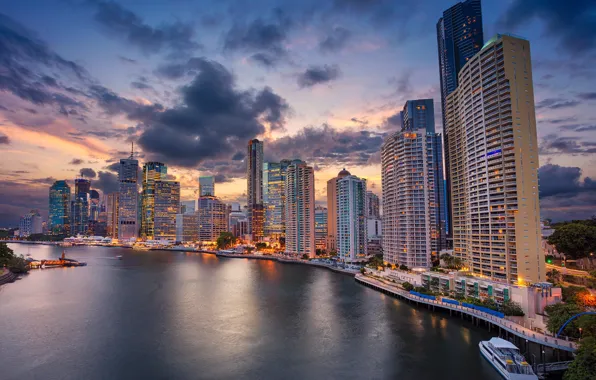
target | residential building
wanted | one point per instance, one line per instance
(166, 207)
(128, 199)
(213, 218)
(332, 210)
(112, 210)
(207, 185)
(188, 207)
(459, 38)
(274, 174)
(237, 221)
(412, 178)
(59, 217)
(352, 236)
(254, 191)
(30, 224)
(321, 228)
(493, 152)
(373, 206)
(152, 172)
(300, 209)
(187, 227)
(79, 223)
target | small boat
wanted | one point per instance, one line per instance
(119, 257)
(506, 359)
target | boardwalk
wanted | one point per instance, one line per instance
(504, 324)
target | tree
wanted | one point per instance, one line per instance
(16, 264)
(305, 257)
(226, 240)
(512, 308)
(261, 246)
(403, 267)
(558, 314)
(362, 270)
(584, 365)
(248, 250)
(6, 254)
(553, 276)
(407, 286)
(574, 240)
(578, 295)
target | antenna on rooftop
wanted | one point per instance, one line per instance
(132, 149)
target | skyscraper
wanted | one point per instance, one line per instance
(459, 38)
(128, 193)
(494, 164)
(321, 228)
(112, 208)
(332, 210)
(59, 220)
(207, 185)
(79, 223)
(300, 209)
(373, 206)
(152, 172)
(412, 177)
(213, 218)
(274, 174)
(166, 207)
(187, 227)
(418, 115)
(352, 236)
(254, 191)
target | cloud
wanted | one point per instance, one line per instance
(564, 195)
(87, 173)
(76, 161)
(578, 127)
(4, 139)
(335, 41)
(553, 104)
(587, 95)
(177, 38)
(572, 25)
(127, 60)
(106, 182)
(19, 197)
(555, 145)
(212, 117)
(317, 75)
(114, 104)
(238, 156)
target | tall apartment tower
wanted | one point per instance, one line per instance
(321, 228)
(412, 179)
(207, 186)
(79, 223)
(152, 172)
(459, 38)
(373, 206)
(300, 209)
(166, 207)
(274, 198)
(332, 210)
(254, 191)
(59, 217)
(112, 210)
(128, 193)
(494, 164)
(352, 236)
(213, 218)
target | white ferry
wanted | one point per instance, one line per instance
(506, 359)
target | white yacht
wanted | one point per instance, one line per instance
(506, 359)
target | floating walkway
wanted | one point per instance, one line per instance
(502, 323)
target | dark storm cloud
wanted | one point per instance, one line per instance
(76, 161)
(238, 156)
(554, 145)
(179, 70)
(19, 198)
(4, 139)
(335, 41)
(572, 24)
(587, 95)
(564, 195)
(106, 182)
(224, 170)
(553, 104)
(317, 75)
(177, 38)
(326, 145)
(87, 173)
(114, 104)
(212, 118)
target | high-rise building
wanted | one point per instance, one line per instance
(187, 227)
(332, 210)
(213, 218)
(112, 208)
(254, 191)
(93, 205)
(493, 151)
(59, 220)
(207, 185)
(30, 224)
(274, 175)
(352, 236)
(459, 38)
(321, 228)
(152, 172)
(128, 202)
(300, 209)
(79, 223)
(412, 176)
(166, 207)
(373, 206)
(188, 207)
(418, 115)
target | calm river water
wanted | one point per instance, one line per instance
(173, 315)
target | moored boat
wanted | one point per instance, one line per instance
(506, 359)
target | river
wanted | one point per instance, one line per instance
(173, 315)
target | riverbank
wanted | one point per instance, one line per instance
(7, 276)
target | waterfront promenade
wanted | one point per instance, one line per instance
(504, 324)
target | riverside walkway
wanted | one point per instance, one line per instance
(502, 323)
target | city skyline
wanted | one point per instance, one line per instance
(80, 108)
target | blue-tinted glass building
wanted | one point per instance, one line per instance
(59, 220)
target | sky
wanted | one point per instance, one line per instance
(190, 82)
